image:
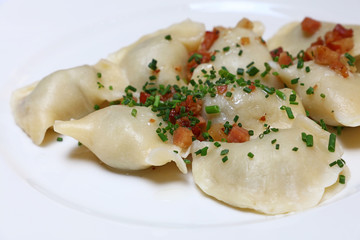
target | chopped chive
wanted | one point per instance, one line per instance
(300, 63)
(168, 37)
(280, 94)
(322, 95)
(59, 139)
(277, 146)
(208, 125)
(236, 118)
(294, 81)
(111, 87)
(228, 94)
(351, 59)
(187, 161)
(152, 65)
(295, 149)
(224, 152)
(303, 137)
(250, 155)
(307, 113)
(339, 130)
(341, 179)
(96, 107)
(134, 112)
(212, 109)
(163, 137)
(100, 85)
(156, 101)
(273, 141)
(310, 91)
(80, 144)
(152, 78)
(202, 151)
(332, 142)
(217, 144)
(250, 64)
(289, 112)
(224, 159)
(251, 132)
(307, 69)
(333, 163)
(252, 71)
(340, 163)
(309, 140)
(323, 125)
(247, 89)
(240, 52)
(213, 57)
(226, 49)
(99, 74)
(240, 71)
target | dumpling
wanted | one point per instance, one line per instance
(256, 110)
(325, 94)
(73, 93)
(65, 94)
(171, 55)
(292, 38)
(122, 139)
(241, 49)
(276, 174)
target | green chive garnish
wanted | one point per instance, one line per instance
(250, 155)
(212, 109)
(342, 179)
(332, 142)
(134, 112)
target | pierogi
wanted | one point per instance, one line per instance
(212, 99)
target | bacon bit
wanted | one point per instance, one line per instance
(209, 39)
(152, 120)
(252, 87)
(245, 41)
(328, 51)
(221, 89)
(342, 46)
(144, 96)
(285, 59)
(238, 135)
(245, 23)
(310, 26)
(276, 52)
(262, 118)
(182, 137)
(340, 68)
(216, 131)
(178, 68)
(319, 41)
(315, 87)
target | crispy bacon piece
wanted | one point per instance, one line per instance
(276, 52)
(216, 131)
(310, 26)
(143, 97)
(221, 89)
(238, 135)
(209, 38)
(285, 59)
(328, 51)
(182, 137)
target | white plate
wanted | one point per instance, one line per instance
(61, 191)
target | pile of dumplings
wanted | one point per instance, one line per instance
(290, 163)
